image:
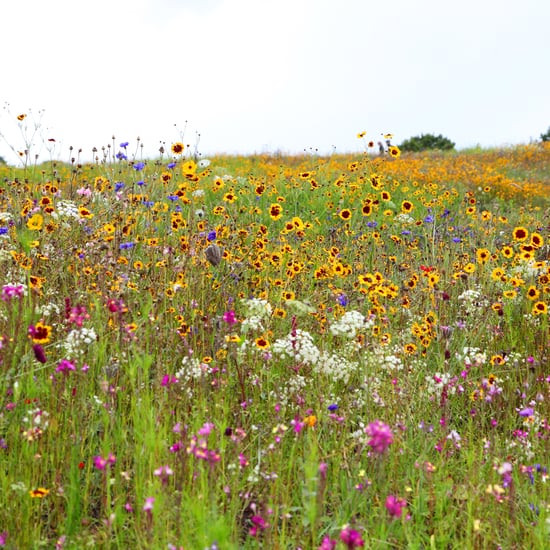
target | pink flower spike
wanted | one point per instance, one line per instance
(380, 435)
(148, 506)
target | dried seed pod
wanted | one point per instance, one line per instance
(213, 254)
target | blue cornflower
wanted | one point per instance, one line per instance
(429, 219)
(121, 156)
(3, 230)
(124, 144)
(372, 224)
(211, 235)
(171, 165)
(139, 166)
(406, 232)
(173, 197)
(140, 182)
(342, 300)
(124, 246)
(456, 239)
(118, 186)
(333, 407)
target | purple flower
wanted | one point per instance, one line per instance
(39, 353)
(118, 186)
(380, 436)
(211, 235)
(124, 246)
(351, 538)
(528, 411)
(121, 156)
(3, 538)
(138, 166)
(171, 165)
(342, 300)
(333, 407)
(65, 367)
(124, 144)
(395, 505)
(3, 230)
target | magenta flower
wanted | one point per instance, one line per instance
(328, 544)
(12, 291)
(351, 538)
(101, 463)
(229, 317)
(259, 524)
(395, 505)
(380, 436)
(65, 367)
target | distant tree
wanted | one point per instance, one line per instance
(546, 135)
(426, 142)
(2, 161)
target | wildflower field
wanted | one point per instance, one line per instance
(276, 351)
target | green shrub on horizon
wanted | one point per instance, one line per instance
(426, 142)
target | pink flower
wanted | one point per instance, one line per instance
(380, 436)
(101, 463)
(351, 538)
(328, 544)
(148, 506)
(395, 505)
(229, 317)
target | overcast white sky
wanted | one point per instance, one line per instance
(267, 75)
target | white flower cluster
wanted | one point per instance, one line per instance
(66, 209)
(404, 218)
(350, 324)
(77, 341)
(253, 323)
(436, 382)
(335, 366)
(192, 369)
(387, 359)
(37, 418)
(293, 386)
(528, 269)
(257, 308)
(48, 309)
(472, 357)
(472, 299)
(298, 347)
(256, 311)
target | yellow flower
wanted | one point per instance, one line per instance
(540, 308)
(34, 223)
(275, 211)
(40, 333)
(38, 493)
(394, 151)
(262, 343)
(520, 234)
(177, 148)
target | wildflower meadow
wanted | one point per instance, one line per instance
(283, 352)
